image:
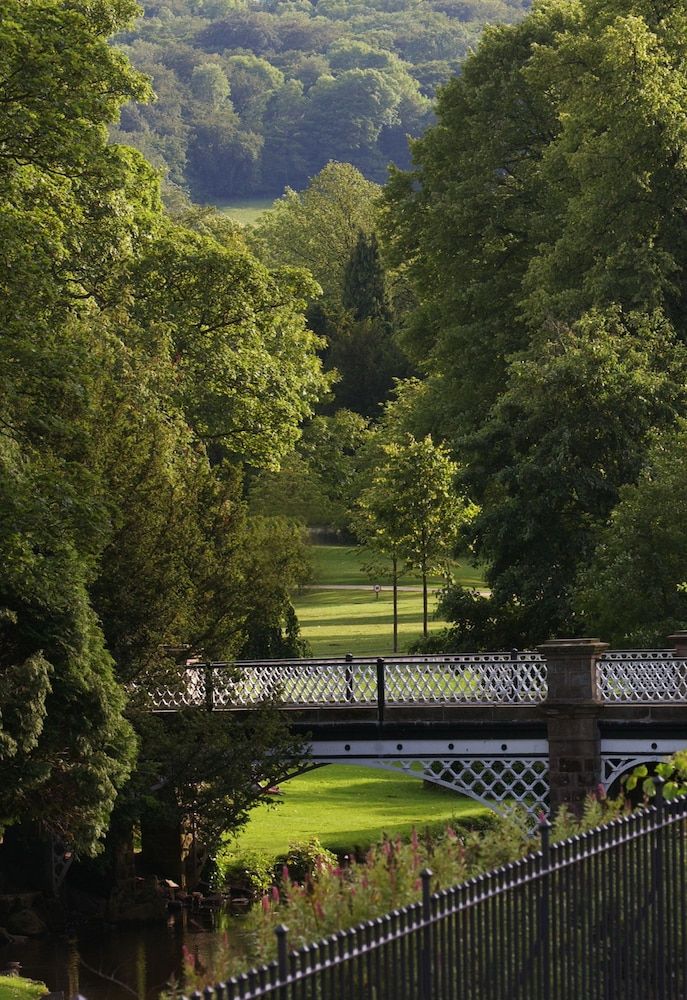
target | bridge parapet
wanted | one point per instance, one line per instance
(515, 678)
(630, 677)
(642, 677)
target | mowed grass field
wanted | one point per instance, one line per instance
(246, 211)
(349, 808)
(336, 622)
(341, 564)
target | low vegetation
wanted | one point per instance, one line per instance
(18, 988)
(335, 896)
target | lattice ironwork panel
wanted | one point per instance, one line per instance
(488, 678)
(613, 766)
(296, 682)
(495, 781)
(187, 692)
(641, 676)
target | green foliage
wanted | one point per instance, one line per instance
(277, 563)
(143, 365)
(633, 591)
(310, 83)
(245, 868)
(319, 227)
(672, 772)
(62, 192)
(207, 771)
(363, 292)
(410, 510)
(18, 988)
(317, 483)
(541, 230)
(304, 859)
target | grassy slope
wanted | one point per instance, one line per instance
(336, 622)
(248, 211)
(16, 988)
(341, 564)
(350, 807)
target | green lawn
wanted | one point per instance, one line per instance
(16, 988)
(350, 807)
(246, 211)
(343, 564)
(336, 622)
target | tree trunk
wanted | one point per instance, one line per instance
(394, 566)
(425, 629)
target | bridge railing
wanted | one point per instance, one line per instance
(515, 678)
(503, 678)
(641, 676)
(600, 916)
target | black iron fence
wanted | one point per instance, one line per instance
(602, 916)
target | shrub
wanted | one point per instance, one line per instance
(303, 859)
(246, 869)
(334, 896)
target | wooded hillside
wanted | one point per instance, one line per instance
(255, 96)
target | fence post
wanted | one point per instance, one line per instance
(544, 923)
(349, 678)
(658, 879)
(381, 690)
(209, 687)
(427, 935)
(282, 958)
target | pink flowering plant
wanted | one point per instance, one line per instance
(336, 895)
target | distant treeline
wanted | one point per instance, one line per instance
(253, 97)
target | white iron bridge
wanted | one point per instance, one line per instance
(517, 726)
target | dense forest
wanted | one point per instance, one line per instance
(252, 97)
(490, 351)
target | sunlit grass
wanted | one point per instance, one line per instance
(246, 211)
(344, 564)
(349, 808)
(17, 988)
(336, 622)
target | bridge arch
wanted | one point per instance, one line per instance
(494, 779)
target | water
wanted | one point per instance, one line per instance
(118, 963)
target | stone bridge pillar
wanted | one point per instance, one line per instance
(572, 715)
